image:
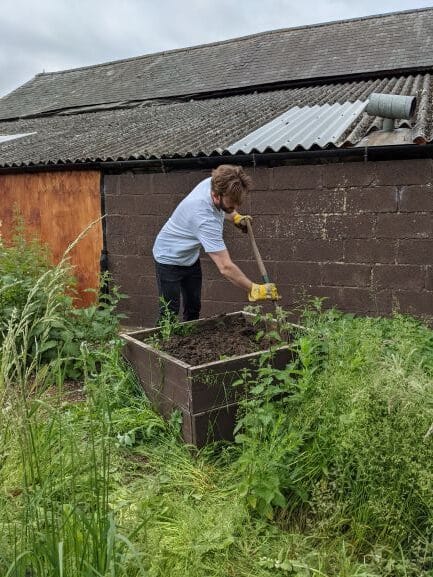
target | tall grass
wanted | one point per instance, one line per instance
(343, 437)
(56, 467)
(365, 418)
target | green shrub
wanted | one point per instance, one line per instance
(37, 297)
(22, 261)
(81, 327)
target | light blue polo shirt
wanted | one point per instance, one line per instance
(194, 223)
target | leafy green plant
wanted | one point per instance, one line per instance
(273, 328)
(30, 286)
(78, 327)
(169, 325)
(22, 262)
(339, 438)
(271, 445)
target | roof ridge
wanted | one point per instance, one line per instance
(236, 39)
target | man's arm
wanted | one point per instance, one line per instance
(256, 292)
(229, 270)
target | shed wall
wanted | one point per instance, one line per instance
(57, 207)
(359, 234)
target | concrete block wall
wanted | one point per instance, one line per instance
(358, 233)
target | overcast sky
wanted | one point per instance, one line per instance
(51, 35)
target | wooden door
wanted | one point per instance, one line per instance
(57, 207)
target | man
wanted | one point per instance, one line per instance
(198, 222)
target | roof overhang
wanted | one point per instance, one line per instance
(164, 164)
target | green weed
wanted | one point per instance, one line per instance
(169, 325)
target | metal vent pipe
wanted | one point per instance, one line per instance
(391, 106)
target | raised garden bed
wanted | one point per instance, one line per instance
(194, 372)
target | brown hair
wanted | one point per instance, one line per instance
(231, 181)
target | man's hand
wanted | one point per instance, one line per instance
(263, 292)
(240, 221)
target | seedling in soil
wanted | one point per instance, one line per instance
(169, 325)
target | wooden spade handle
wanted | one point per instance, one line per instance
(256, 252)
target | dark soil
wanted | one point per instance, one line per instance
(227, 336)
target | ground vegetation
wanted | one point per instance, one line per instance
(330, 472)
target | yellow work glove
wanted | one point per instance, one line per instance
(240, 220)
(263, 292)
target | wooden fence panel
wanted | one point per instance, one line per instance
(57, 207)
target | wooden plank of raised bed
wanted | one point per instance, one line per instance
(215, 425)
(212, 383)
(158, 372)
(166, 407)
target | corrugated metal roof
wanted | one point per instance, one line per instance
(201, 127)
(370, 45)
(304, 127)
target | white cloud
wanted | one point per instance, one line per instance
(58, 34)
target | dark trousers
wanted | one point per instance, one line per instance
(174, 281)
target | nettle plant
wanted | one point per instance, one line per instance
(92, 327)
(270, 444)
